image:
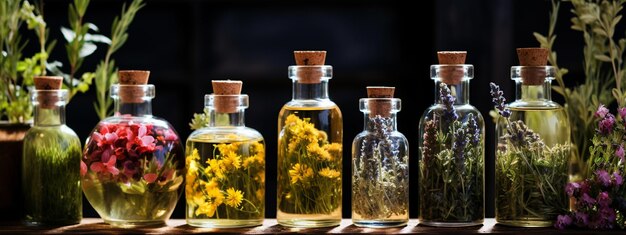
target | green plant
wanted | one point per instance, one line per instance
(106, 72)
(602, 63)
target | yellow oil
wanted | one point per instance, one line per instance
(309, 166)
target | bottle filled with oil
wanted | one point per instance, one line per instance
(533, 148)
(310, 130)
(225, 179)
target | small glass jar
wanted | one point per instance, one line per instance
(50, 164)
(533, 152)
(380, 168)
(225, 180)
(451, 140)
(134, 161)
(310, 131)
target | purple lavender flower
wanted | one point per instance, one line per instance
(587, 200)
(622, 113)
(472, 130)
(606, 124)
(430, 141)
(602, 111)
(618, 179)
(458, 147)
(603, 199)
(572, 188)
(497, 97)
(563, 221)
(581, 219)
(604, 178)
(619, 152)
(607, 218)
(447, 99)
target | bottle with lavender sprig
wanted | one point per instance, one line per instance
(533, 146)
(451, 179)
(380, 164)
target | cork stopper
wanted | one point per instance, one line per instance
(534, 61)
(452, 74)
(130, 82)
(380, 107)
(226, 95)
(313, 74)
(49, 99)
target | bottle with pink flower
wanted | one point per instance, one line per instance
(225, 179)
(133, 163)
(51, 160)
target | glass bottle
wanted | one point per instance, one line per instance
(532, 171)
(134, 161)
(451, 141)
(51, 160)
(310, 130)
(380, 164)
(225, 180)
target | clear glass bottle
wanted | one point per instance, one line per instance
(225, 180)
(134, 161)
(532, 171)
(451, 141)
(380, 167)
(50, 163)
(310, 128)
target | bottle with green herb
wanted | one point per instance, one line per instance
(533, 146)
(380, 164)
(51, 160)
(451, 140)
(225, 179)
(310, 131)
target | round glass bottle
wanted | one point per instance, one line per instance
(310, 130)
(451, 141)
(380, 164)
(51, 160)
(225, 180)
(134, 161)
(533, 151)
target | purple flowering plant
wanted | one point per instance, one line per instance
(600, 199)
(451, 164)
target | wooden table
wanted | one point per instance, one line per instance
(178, 226)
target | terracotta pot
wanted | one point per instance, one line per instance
(11, 141)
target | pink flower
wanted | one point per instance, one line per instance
(587, 200)
(150, 177)
(572, 188)
(619, 152)
(130, 168)
(83, 168)
(603, 199)
(604, 178)
(622, 113)
(618, 179)
(108, 166)
(563, 221)
(606, 124)
(602, 111)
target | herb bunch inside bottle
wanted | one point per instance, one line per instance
(451, 180)
(310, 130)
(51, 160)
(533, 151)
(133, 162)
(380, 164)
(225, 180)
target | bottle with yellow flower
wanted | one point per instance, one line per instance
(225, 179)
(310, 130)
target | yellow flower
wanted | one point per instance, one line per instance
(216, 195)
(207, 209)
(260, 177)
(300, 173)
(216, 167)
(334, 149)
(231, 160)
(260, 194)
(329, 173)
(320, 153)
(233, 197)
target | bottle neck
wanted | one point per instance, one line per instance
(140, 109)
(459, 91)
(542, 92)
(310, 91)
(380, 124)
(53, 116)
(218, 119)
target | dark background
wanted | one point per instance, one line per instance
(188, 43)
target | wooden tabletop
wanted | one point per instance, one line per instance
(178, 226)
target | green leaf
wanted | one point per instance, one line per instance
(602, 57)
